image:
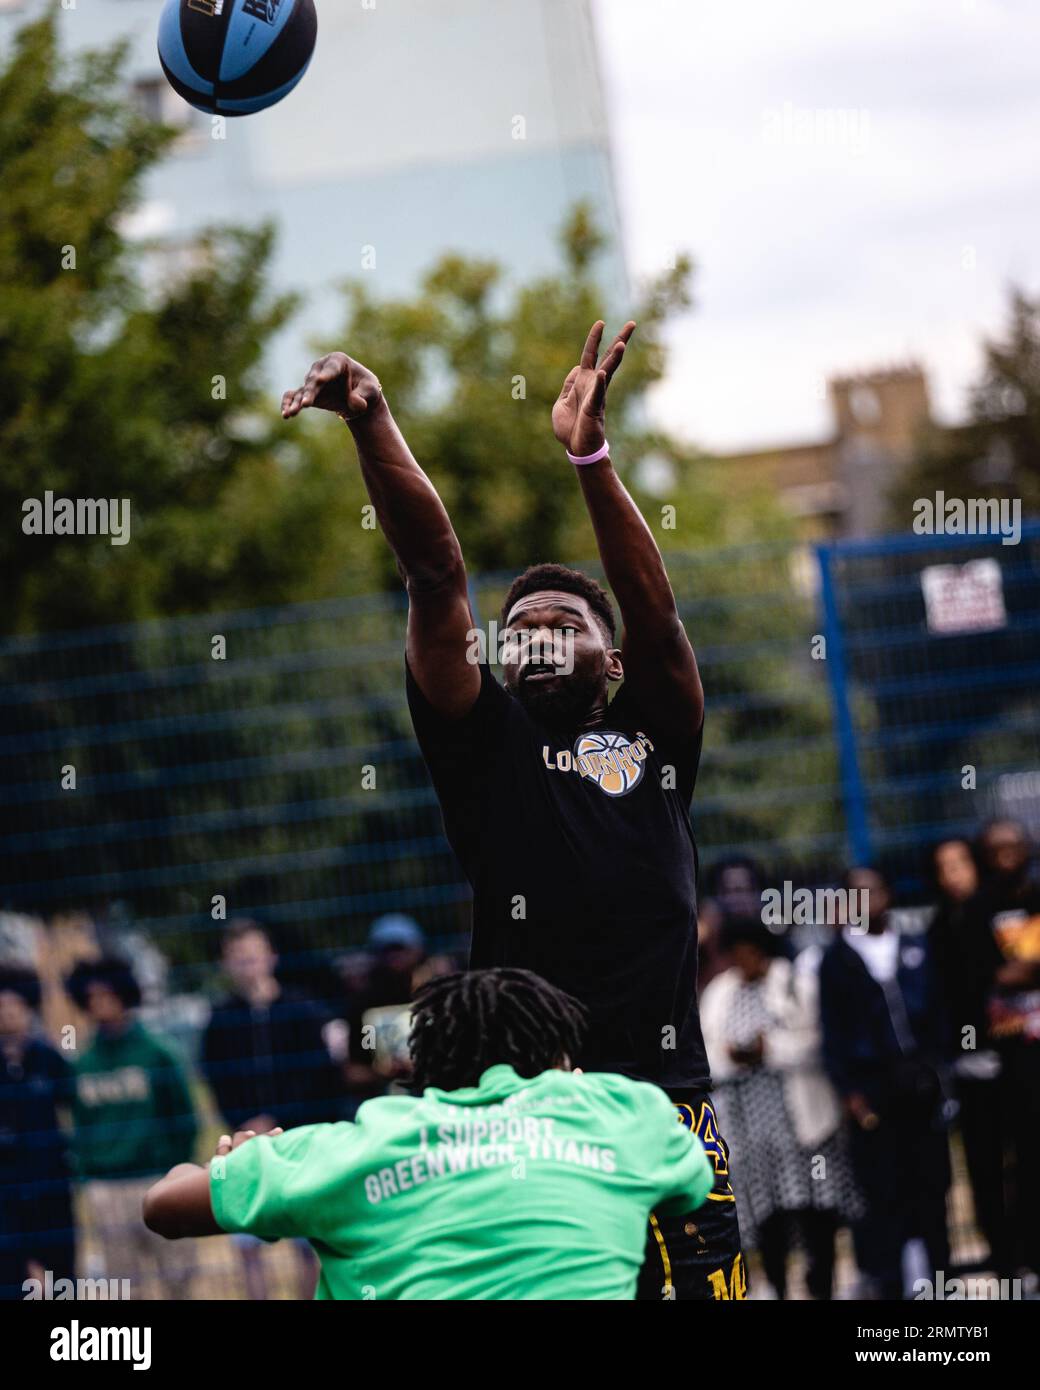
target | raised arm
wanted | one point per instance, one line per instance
(415, 523)
(656, 653)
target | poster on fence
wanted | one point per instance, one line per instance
(964, 598)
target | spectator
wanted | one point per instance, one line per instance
(1010, 903)
(883, 1045)
(966, 959)
(791, 1173)
(265, 1056)
(133, 1117)
(732, 893)
(37, 1229)
(379, 1017)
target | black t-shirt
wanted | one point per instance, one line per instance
(583, 866)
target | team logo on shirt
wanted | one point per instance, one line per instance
(612, 760)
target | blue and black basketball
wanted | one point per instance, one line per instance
(234, 57)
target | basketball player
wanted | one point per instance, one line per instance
(568, 813)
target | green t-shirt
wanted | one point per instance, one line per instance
(516, 1188)
(132, 1109)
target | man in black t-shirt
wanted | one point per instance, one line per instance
(568, 812)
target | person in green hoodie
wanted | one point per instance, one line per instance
(133, 1117)
(508, 1176)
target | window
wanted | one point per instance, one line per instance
(157, 100)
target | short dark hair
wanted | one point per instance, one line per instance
(20, 980)
(987, 828)
(749, 931)
(464, 1023)
(566, 581)
(931, 863)
(846, 878)
(755, 871)
(239, 927)
(111, 971)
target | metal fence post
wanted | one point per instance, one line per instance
(853, 792)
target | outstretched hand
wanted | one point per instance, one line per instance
(335, 383)
(227, 1144)
(578, 414)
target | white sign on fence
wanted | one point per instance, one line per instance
(964, 598)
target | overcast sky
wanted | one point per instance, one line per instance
(857, 182)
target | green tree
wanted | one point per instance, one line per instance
(111, 390)
(997, 452)
(471, 368)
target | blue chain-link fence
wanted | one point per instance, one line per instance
(266, 757)
(863, 700)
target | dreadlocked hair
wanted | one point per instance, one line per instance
(464, 1023)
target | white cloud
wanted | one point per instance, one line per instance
(824, 256)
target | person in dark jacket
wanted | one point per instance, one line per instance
(265, 1057)
(37, 1229)
(1010, 899)
(967, 958)
(264, 1052)
(883, 1047)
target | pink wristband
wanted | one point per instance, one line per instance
(601, 453)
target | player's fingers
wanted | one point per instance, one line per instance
(617, 348)
(223, 1145)
(597, 395)
(592, 342)
(328, 369)
(287, 397)
(613, 358)
(277, 1130)
(321, 371)
(568, 383)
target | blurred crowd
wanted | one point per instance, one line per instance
(109, 1117)
(846, 1054)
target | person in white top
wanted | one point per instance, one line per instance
(782, 1117)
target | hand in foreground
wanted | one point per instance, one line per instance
(226, 1143)
(335, 383)
(577, 416)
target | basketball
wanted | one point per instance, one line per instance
(234, 57)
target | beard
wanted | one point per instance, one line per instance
(564, 704)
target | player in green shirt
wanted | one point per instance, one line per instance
(509, 1177)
